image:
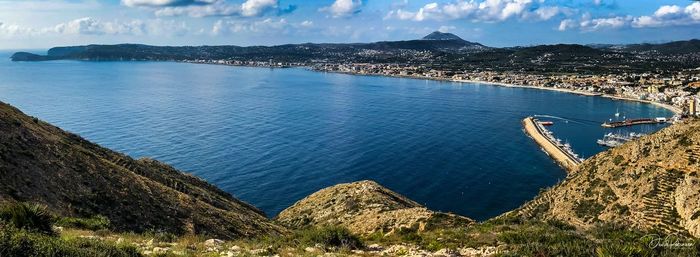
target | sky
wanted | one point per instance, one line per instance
(34, 24)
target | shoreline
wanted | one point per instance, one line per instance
(673, 109)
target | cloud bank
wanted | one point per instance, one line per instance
(343, 8)
(205, 8)
(664, 16)
(487, 11)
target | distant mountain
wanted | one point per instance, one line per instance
(437, 50)
(676, 47)
(437, 35)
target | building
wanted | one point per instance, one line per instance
(693, 106)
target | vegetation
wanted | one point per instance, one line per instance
(551, 238)
(97, 222)
(30, 217)
(26, 230)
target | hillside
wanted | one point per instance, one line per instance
(652, 184)
(364, 207)
(41, 163)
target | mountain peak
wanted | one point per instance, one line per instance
(437, 35)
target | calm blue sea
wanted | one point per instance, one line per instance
(274, 136)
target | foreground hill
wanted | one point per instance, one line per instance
(365, 207)
(41, 163)
(652, 183)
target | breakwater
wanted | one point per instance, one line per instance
(562, 155)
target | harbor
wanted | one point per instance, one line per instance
(633, 122)
(560, 152)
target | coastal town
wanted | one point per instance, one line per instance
(677, 91)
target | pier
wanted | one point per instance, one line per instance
(564, 156)
(632, 122)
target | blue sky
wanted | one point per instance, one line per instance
(28, 24)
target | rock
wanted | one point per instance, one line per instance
(479, 252)
(228, 254)
(57, 229)
(258, 251)
(374, 247)
(446, 253)
(213, 242)
(235, 248)
(311, 249)
(160, 250)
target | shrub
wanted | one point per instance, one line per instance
(330, 236)
(32, 217)
(94, 223)
(20, 243)
(588, 210)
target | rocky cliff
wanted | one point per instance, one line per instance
(652, 183)
(364, 207)
(73, 177)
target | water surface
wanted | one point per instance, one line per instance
(273, 136)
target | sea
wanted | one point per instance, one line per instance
(273, 136)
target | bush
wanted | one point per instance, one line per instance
(94, 223)
(330, 236)
(20, 243)
(30, 217)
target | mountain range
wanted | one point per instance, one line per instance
(437, 50)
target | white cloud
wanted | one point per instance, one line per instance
(12, 30)
(256, 7)
(92, 26)
(268, 26)
(567, 24)
(664, 16)
(343, 8)
(475, 10)
(605, 23)
(547, 12)
(306, 24)
(160, 3)
(204, 8)
(218, 8)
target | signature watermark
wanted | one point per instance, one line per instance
(670, 241)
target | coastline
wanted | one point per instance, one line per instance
(671, 108)
(675, 110)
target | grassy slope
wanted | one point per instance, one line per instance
(73, 177)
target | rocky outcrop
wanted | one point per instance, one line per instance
(652, 183)
(73, 177)
(364, 207)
